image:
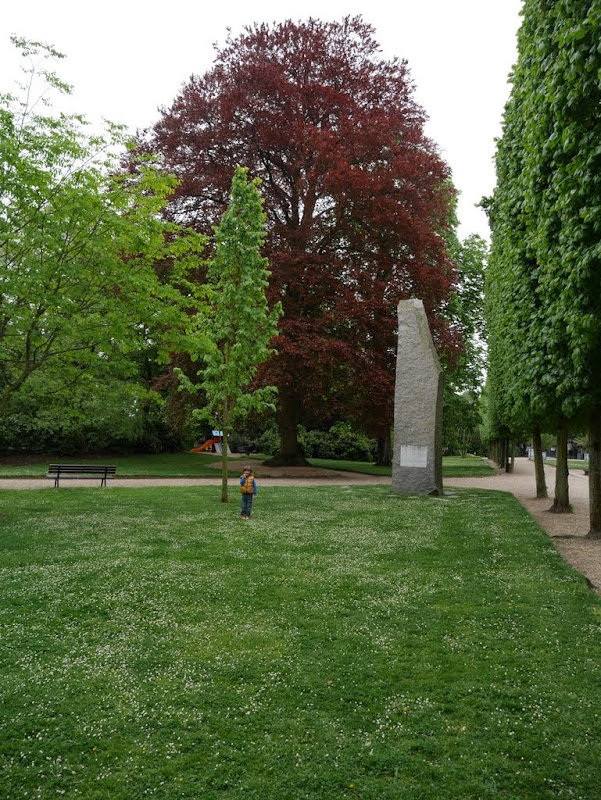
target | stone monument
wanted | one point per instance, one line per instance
(417, 454)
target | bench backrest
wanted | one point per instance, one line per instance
(82, 469)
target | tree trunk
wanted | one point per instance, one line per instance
(384, 455)
(594, 472)
(502, 454)
(539, 465)
(225, 438)
(291, 453)
(561, 502)
(510, 463)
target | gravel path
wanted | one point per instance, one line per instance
(568, 531)
(330, 479)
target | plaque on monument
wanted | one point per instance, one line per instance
(413, 456)
(417, 458)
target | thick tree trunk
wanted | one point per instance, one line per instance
(510, 464)
(498, 452)
(594, 472)
(501, 453)
(384, 456)
(291, 453)
(561, 502)
(539, 464)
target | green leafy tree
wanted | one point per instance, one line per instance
(566, 192)
(238, 335)
(108, 409)
(521, 396)
(461, 421)
(464, 311)
(463, 375)
(544, 291)
(79, 242)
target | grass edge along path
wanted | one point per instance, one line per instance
(205, 465)
(344, 643)
(452, 466)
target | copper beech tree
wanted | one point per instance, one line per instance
(358, 202)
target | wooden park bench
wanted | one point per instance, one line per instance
(58, 471)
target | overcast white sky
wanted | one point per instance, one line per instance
(126, 58)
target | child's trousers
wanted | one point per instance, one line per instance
(246, 505)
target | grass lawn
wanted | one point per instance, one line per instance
(452, 466)
(203, 465)
(167, 465)
(343, 643)
(573, 463)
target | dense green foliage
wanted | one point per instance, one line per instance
(81, 298)
(344, 643)
(341, 440)
(116, 411)
(465, 312)
(544, 277)
(464, 373)
(461, 421)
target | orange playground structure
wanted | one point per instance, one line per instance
(214, 444)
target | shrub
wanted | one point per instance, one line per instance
(269, 442)
(340, 442)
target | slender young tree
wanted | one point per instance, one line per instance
(237, 336)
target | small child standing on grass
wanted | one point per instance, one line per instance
(248, 488)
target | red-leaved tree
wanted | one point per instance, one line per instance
(358, 203)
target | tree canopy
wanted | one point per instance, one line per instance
(357, 199)
(235, 335)
(544, 278)
(79, 240)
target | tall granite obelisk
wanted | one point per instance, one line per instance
(417, 455)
